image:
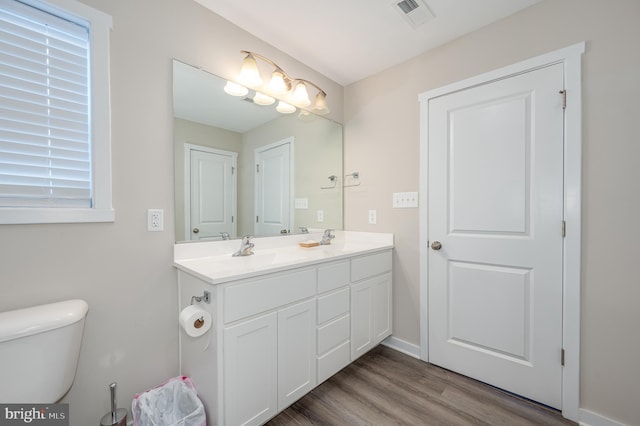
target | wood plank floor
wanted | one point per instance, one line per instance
(386, 387)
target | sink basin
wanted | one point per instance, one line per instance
(214, 263)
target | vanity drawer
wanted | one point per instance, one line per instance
(333, 276)
(333, 305)
(332, 334)
(332, 362)
(260, 295)
(371, 265)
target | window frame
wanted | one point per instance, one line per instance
(100, 25)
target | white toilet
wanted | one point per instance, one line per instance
(39, 350)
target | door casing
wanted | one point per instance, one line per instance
(570, 57)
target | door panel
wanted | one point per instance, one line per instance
(250, 371)
(489, 174)
(212, 194)
(496, 207)
(273, 188)
(296, 352)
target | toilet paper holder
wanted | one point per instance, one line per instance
(206, 298)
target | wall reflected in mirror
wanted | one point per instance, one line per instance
(246, 169)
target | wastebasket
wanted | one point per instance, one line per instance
(172, 403)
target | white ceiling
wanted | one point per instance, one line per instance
(348, 40)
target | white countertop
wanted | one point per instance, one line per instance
(212, 261)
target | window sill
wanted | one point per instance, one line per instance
(14, 216)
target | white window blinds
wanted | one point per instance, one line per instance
(45, 143)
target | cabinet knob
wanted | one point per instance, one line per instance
(196, 230)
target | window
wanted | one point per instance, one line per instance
(55, 163)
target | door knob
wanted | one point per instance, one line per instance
(436, 245)
(196, 230)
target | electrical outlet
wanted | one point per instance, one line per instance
(320, 215)
(373, 217)
(405, 200)
(155, 220)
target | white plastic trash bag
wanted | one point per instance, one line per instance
(173, 403)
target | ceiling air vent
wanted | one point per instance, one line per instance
(415, 12)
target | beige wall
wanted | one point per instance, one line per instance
(382, 142)
(123, 271)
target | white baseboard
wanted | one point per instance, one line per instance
(402, 346)
(589, 418)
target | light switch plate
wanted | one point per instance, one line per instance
(301, 203)
(405, 200)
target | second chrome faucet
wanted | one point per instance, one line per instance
(327, 237)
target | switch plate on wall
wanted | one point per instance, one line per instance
(155, 220)
(320, 215)
(301, 203)
(405, 200)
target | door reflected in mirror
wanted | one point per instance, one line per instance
(246, 169)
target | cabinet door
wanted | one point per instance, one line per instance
(370, 313)
(381, 308)
(250, 371)
(296, 352)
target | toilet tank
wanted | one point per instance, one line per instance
(39, 350)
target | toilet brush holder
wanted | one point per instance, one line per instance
(117, 416)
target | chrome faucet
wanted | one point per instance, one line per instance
(327, 237)
(225, 235)
(304, 230)
(245, 247)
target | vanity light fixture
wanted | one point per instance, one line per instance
(262, 99)
(235, 89)
(285, 108)
(281, 83)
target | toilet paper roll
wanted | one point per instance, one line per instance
(195, 321)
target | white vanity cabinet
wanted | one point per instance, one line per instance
(268, 359)
(276, 335)
(250, 370)
(370, 301)
(333, 333)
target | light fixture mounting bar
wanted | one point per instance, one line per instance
(278, 68)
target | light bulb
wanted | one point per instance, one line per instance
(285, 108)
(300, 95)
(278, 83)
(320, 105)
(249, 73)
(235, 89)
(262, 99)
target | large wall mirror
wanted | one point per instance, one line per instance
(246, 169)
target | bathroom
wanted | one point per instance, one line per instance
(125, 273)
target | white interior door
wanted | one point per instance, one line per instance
(212, 193)
(274, 173)
(495, 186)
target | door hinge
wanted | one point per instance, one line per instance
(231, 219)
(564, 228)
(564, 98)
(562, 357)
(233, 170)
(257, 219)
(257, 168)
